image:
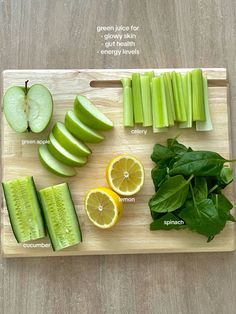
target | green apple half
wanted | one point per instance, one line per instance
(28, 108)
(91, 115)
(80, 130)
(60, 153)
(68, 141)
(54, 165)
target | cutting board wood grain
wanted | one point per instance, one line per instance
(131, 234)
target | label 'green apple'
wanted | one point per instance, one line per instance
(28, 108)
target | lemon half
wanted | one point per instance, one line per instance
(103, 207)
(125, 175)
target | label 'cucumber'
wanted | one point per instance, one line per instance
(60, 216)
(23, 208)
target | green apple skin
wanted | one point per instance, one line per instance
(80, 130)
(60, 153)
(90, 114)
(28, 109)
(69, 142)
(54, 165)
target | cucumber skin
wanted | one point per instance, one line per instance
(11, 222)
(77, 219)
(40, 207)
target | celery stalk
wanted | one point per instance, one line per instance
(169, 108)
(128, 111)
(207, 124)
(150, 75)
(160, 118)
(137, 98)
(170, 92)
(187, 90)
(146, 100)
(198, 101)
(178, 97)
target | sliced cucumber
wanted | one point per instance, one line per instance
(60, 153)
(68, 141)
(24, 210)
(60, 216)
(80, 130)
(54, 165)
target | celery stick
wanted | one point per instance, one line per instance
(181, 97)
(160, 118)
(167, 77)
(128, 111)
(146, 100)
(164, 102)
(187, 90)
(160, 130)
(126, 82)
(137, 98)
(198, 101)
(180, 114)
(169, 108)
(150, 75)
(207, 124)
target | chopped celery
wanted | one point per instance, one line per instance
(178, 97)
(128, 111)
(150, 75)
(164, 90)
(159, 110)
(137, 98)
(187, 90)
(169, 89)
(207, 124)
(146, 100)
(198, 101)
(126, 82)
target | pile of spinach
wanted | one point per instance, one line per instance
(188, 187)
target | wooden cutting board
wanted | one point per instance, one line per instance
(131, 234)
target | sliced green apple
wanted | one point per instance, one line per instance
(28, 108)
(68, 141)
(80, 130)
(91, 115)
(60, 153)
(54, 165)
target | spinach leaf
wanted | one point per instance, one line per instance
(225, 177)
(158, 176)
(202, 217)
(171, 195)
(223, 205)
(200, 189)
(161, 152)
(198, 163)
(176, 147)
(167, 222)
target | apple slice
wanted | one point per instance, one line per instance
(80, 130)
(91, 115)
(54, 165)
(60, 153)
(68, 141)
(28, 108)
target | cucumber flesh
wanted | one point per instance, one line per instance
(60, 216)
(24, 210)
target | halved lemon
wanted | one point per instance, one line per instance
(103, 207)
(125, 175)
